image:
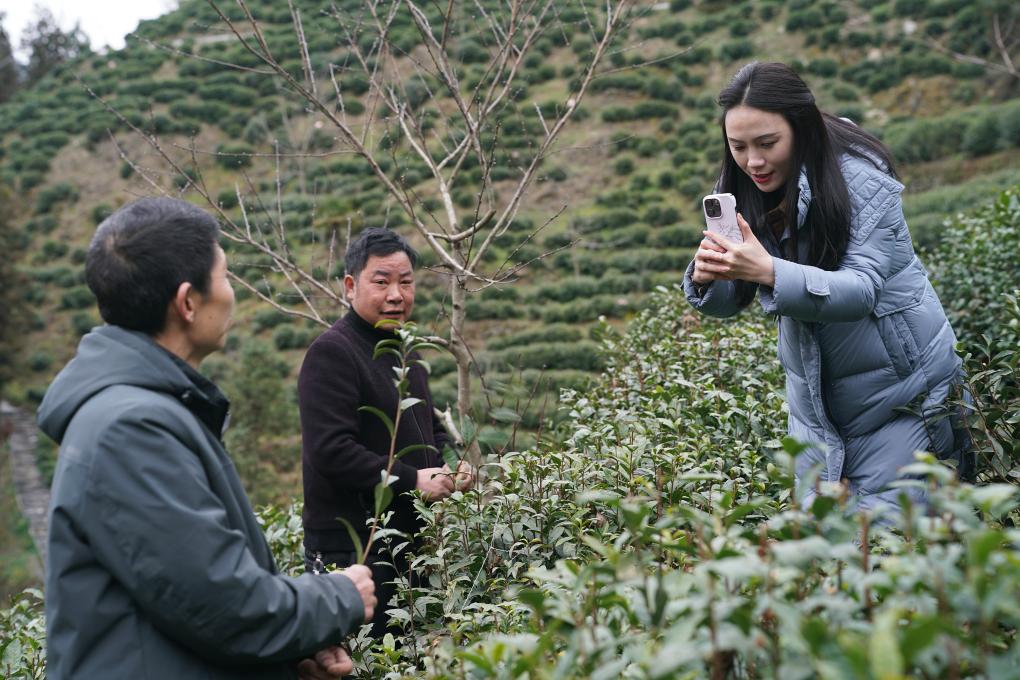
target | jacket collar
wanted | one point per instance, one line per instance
(804, 198)
(367, 330)
(111, 355)
(803, 203)
(205, 401)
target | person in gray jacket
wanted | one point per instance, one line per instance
(864, 341)
(156, 565)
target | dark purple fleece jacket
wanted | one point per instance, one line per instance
(344, 449)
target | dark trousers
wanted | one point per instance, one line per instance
(383, 574)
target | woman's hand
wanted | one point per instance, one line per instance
(747, 261)
(702, 275)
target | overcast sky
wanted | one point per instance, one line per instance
(105, 22)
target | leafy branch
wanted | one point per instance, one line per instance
(405, 346)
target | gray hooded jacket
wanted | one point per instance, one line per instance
(859, 342)
(157, 567)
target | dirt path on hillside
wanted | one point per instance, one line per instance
(32, 494)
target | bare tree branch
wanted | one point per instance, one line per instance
(1000, 40)
(1001, 44)
(199, 57)
(350, 137)
(273, 303)
(478, 226)
(306, 60)
(420, 119)
(612, 18)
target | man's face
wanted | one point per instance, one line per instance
(384, 289)
(213, 309)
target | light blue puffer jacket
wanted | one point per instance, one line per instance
(858, 343)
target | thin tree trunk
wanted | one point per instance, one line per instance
(458, 295)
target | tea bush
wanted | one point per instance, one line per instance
(982, 135)
(660, 540)
(657, 533)
(289, 337)
(974, 271)
(974, 268)
(23, 637)
(206, 112)
(928, 213)
(234, 156)
(733, 50)
(48, 198)
(78, 297)
(493, 309)
(565, 290)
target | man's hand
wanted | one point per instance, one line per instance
(361, 576)
(464, 477)
(328, 664)
(747, 261)
(435, 483)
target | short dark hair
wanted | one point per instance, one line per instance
(142, 253)
(378, 241)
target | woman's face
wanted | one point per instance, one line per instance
(762, 145)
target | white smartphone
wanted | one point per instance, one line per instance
(721, 216)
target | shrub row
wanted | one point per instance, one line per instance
(579, 288)
(929, 212)
(974, 133)
(640, 111)
(974, 269)
(582, 355)
(291, 337)
(588, 309)
(544, 334)
(885, 73)
(62, 276)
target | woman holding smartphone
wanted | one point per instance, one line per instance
(865, 343)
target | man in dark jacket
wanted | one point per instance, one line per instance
(157, 567)
(345, 451)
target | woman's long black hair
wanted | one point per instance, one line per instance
(819, 139)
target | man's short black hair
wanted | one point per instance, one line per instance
(142, 253)
(378, 241)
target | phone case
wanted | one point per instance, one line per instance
(725, 222)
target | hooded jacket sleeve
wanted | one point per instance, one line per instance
(850, 292)
(154, 520)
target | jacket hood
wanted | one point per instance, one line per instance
(107, 356)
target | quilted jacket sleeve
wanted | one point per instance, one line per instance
(719, 299)
(850, 292)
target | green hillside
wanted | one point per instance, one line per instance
(621, 184)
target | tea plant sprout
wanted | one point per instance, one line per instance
(405, 348)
